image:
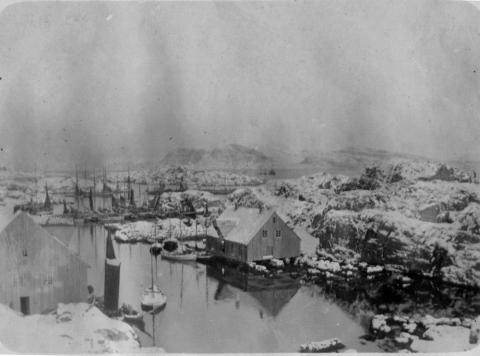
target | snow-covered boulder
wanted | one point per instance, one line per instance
(329, 345)
(72, 328)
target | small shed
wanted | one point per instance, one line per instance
(37, 270)
(252, 234)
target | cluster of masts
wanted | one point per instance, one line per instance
(125, 194)
(105, 188)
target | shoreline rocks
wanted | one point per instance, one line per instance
(427, 334)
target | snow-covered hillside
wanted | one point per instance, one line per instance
(399, 212)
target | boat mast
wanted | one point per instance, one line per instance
(196, 233)
(94, 182)
(129, 187)
(104, 179)
(36, 185)
(77, 189)
(151, 264)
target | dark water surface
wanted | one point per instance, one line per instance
(206, 314)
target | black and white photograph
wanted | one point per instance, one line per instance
(202, 177)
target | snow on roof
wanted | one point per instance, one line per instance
(241, 224)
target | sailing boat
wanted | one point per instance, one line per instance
(153, 298)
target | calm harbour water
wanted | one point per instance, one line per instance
(206, 314)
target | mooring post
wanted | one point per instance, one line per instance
(112, 277)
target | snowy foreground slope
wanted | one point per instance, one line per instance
(397, 213)
(73, 328)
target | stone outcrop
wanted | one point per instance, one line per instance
(399, 212)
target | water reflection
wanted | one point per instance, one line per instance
(213, 311)
(269, 298)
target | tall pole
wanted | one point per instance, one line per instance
(156, 269)
(36, 185)
(180, 237)
(77, 189)
(196, 234)
(94, 182)
(151, 264)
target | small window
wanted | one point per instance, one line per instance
(24, 252)
(278, 233)
(264, 233)
(274, 220)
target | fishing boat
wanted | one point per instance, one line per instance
(175, 251)
(203, 256)
(179, 256)
(130, 314)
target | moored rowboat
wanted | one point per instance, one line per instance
(175, 256)
(153, 299)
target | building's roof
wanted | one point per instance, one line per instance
(22, 223)
(241, 224)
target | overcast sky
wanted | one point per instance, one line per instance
(114, 81)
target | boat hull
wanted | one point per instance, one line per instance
(153, 299)
(133, 317)
(179, 257)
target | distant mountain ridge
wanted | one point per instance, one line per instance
(358, 154)
(233, 156)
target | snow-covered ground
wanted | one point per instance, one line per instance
(72, 328)
(20, 186)
(411, 206)
(175, 228)
(191, 176)
(427, 334)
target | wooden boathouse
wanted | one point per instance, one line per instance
(252, 234)
(38, 271)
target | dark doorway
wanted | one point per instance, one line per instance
(25, 305)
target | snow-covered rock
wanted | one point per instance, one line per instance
(329, 345)
(443, 338)
(72, 328)
(379, 325)
(375, 269)
(277, 263)
(176, 228)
